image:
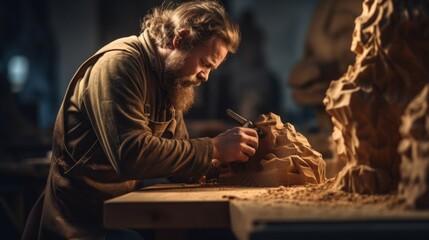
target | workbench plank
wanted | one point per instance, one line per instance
(173, 206)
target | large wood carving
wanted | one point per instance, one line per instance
(414, 151)
(391, 43)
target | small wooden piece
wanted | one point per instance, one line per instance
(284, 157)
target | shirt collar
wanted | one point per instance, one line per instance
(152, 52)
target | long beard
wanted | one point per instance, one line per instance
(180, 91)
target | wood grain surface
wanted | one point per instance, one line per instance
(174, 206)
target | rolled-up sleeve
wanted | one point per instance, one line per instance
(114, 104)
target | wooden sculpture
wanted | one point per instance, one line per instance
(391, 43)
(284, 157)
(414, 151)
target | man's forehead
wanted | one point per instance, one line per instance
(216, 48)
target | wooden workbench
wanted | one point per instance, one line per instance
(168, 207)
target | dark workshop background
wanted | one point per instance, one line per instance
(43, 42)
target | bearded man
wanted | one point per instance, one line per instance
(121, 119)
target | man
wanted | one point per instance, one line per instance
(122, 119)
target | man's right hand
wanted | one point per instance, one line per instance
(236, 144)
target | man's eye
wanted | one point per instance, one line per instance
(207, 65)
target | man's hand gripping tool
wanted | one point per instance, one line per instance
(244, 122)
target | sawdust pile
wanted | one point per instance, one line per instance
(391, 43)
(325, 195)
(284, 157)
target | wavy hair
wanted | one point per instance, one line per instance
(203, 19)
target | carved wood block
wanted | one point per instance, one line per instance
(284, 157)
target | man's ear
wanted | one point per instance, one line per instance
(179, 38)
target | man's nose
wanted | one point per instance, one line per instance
(203, 76)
